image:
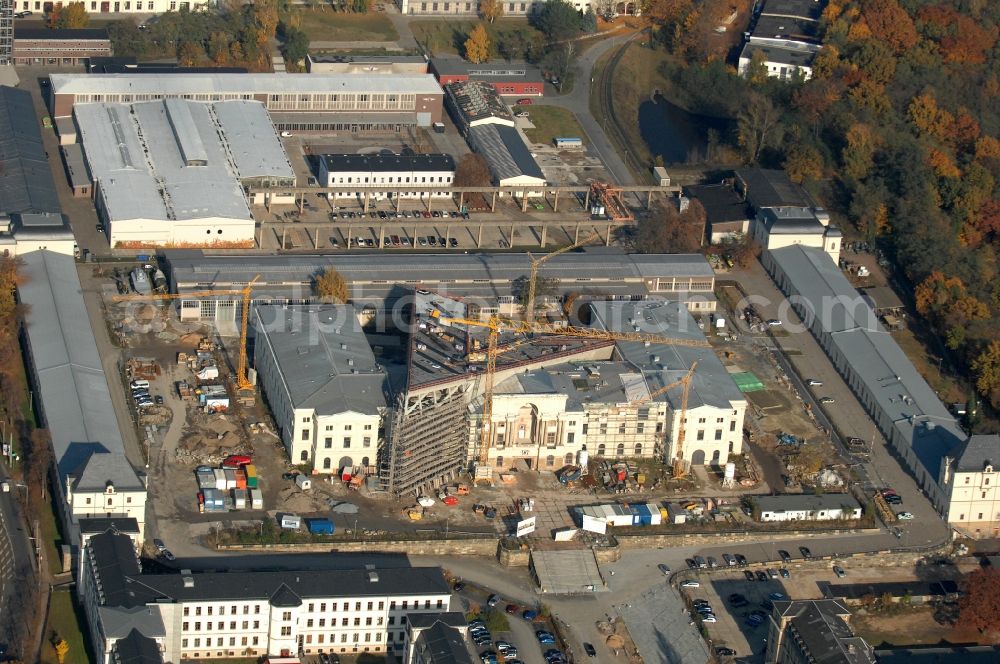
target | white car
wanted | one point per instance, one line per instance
(905, 516)
(709, 619)
(690, 584)
(425, 501)
(812, 382)
(286, 134)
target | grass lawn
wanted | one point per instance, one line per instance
(51, 537)
(448, 37)
(551, 122)
(65, 620)
(325, 25)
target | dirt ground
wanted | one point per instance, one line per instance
(911, 626)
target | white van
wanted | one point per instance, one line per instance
(139, 384)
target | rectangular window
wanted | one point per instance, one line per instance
(718, 434)
(367, 441)
(701, 434)
(347, 442)
(328, 442)
(732, 425)
(305, 434)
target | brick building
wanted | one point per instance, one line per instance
(41, 46)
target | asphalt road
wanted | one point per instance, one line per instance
(16, 567)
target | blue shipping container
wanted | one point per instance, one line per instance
(320, 526)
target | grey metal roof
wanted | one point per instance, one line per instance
(790, 220)
(820, 628)
(447, 618)
(71, 384)
(26, 183)
(505, 152)
(169, 159)
(720, 201)
(795, 502)
(39, 225)
(771, 188)
(251, 141)
(120, 524)
(113, 559)
(900, 392)
(246, 84)
(494, 70)
(978, 452)
(103, 469)
(583, 383)
(76, 166)
(377, 163)
(136, 649)
(261, 585)
(457, 273)
(791, 53)
(786, 27)
(325, 360)
(662, 364)
(362, 59)
(442, 644)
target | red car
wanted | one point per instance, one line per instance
(524, 102)
(236, 461)
(450, 501)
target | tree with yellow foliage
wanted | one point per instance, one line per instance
(477, 46)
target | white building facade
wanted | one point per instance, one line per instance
(121, 6)
(825, 507)
(378, 176)
(252, 614)
(321, 381)
(970, 479)
(106, 486)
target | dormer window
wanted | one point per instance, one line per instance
(988, 469)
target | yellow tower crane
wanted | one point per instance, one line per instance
(680, 469)
(496, 325)
(529, 302)
(242, 381)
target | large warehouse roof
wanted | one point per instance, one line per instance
(26, 183)
(176, 159)
(250, 84)
(901, 394)
(72, 386)
(459, 273)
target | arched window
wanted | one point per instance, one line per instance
(326, 463)
(638, 449)
(600, 450)
(620, 451)
(305, 455)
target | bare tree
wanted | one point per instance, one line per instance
(757, 124)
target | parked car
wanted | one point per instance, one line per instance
(723, 651)
(749, 575)
(730, 559)
(737, 600)
(493, 600)
(710, 618)
(691, 584)
(545, 637)
(776, 597)
(512, 609)
(712, 562)
(158, 399)
(289, 476)
(166, 555)
(774, 322)
(524, 102)
(741, 560)
(812, 382)
(839, 571)
(761, 575)
(589, 649)
(160, 546)
(529, 614)
(785, 574)
(905, 516)
(806, 553)
(784, 555)
(458, 586)
(664, 569)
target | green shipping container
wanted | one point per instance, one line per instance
(251, 482)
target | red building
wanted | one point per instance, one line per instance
(509, 78)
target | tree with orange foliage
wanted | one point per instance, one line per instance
(859, 153)
(928, 119)
(936, 291)
(890, 23)
(987, 147)
(986, 368)
(967, 42)
(803, 162)
(941, 164)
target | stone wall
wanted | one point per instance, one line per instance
(486, 546)
(715, 539)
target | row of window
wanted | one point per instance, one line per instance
(322, 607)
(389, 180)
(115, 6)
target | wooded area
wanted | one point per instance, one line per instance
(896, 132)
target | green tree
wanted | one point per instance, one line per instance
(589, 21)
(559, 60)
(73, 16)
(296, 46)
(986, 368)
(330, 286)
(190, 54)
(266, 17)
(559, 20)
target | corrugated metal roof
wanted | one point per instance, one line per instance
(505, 152)
(250, 84)
(900, 392)
(76, 399)
(26, 183)
(175, 159)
